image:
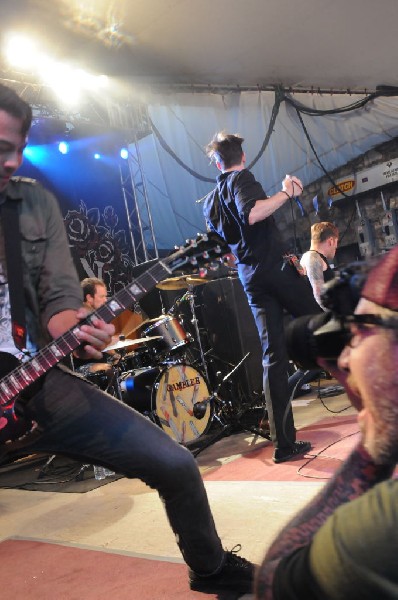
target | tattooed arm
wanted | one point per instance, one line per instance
(357, 475)
(314, 264)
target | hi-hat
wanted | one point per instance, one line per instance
(180, 283)
(126, 343)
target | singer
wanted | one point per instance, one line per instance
(239, 210)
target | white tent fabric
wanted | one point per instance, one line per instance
(187, 121)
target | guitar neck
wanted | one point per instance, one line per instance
(28, 372)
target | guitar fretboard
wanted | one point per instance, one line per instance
(27, 373)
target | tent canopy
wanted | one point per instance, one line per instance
(211, 65)
(344, 44)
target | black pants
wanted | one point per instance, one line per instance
(270, 292)
(77, 419)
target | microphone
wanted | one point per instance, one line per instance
(199, 408)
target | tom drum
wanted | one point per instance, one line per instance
(170, 329)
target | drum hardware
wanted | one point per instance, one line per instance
(181, 282)
(126, 343)
(227, 413)
(191, 298)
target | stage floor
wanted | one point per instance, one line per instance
(250, 496)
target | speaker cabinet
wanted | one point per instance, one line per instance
(232, 332)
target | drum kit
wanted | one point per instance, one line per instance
(151, 373)
(157, 375)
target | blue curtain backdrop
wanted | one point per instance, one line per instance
(185, 122)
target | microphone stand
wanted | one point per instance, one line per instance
(227, 415)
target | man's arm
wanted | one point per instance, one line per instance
(356, 475)
(313, 264)
(291, 186)
(94, 337)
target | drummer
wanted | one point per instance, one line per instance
(95, 295)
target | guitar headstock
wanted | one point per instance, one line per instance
(205, 249)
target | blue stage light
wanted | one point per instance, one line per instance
(124, 153)
(28, 152)
(97, 156)
(63, 147)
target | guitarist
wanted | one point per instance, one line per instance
(72, 416)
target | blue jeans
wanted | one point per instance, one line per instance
(270, 292)
(77, 419)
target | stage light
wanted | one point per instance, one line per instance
(97, 156)
(21, 51)
(63, 147)
(28, 152)
(66, 81)
(124, 153)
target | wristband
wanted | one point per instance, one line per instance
(285, 192)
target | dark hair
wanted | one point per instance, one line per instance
(12, 104)
(323, 230)
(89, 285)
(225, 148)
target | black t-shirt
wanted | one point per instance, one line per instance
(226, 210)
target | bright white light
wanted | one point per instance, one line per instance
(63, 147)
(103, 81)
(21, 51)
(61, 78)
(124, 153)
(97, 156)
(67, 82)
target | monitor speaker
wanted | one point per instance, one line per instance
(232, 332)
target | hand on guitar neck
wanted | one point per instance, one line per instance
(94, 337)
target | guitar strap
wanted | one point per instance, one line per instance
(12, 245)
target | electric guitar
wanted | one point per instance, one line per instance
(18, 378)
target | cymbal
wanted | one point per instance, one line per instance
(126, 343)
(180, 283)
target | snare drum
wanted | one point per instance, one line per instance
(141, 358)
(171, 331)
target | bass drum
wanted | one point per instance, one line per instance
(177, 389)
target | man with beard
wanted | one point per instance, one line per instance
(343, 544)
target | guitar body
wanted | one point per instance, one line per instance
(12, 427)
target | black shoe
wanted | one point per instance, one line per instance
(236, 574)
(301, 391)
(282, 455)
